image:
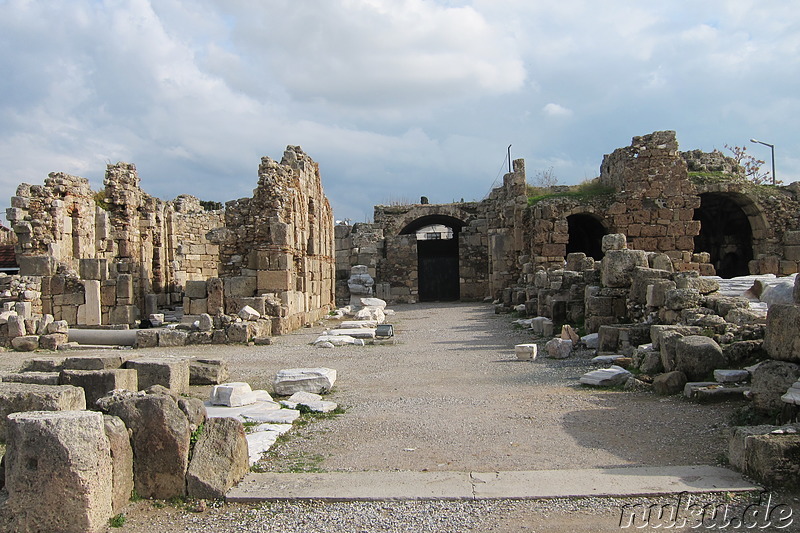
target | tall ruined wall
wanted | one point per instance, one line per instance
(504, 212)
(129, 243)
(280, 241)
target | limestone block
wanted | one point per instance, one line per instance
(558, 348)
(42, 364)
(274, 280)
(58, 326)
(248, 313)
(678, 299)
(618, 265)
(16, 397)
(669, 383)
(199, 337)
(614, 241)
(36, 265)
(770, 380)
(525, 352)
(197, 306)
(316, 380)
(698, 356)
(171, 337)
(23, 309)
(780, 339)
(215, 288)
(606, 377)
(738, 443)
(94, 269)
(53, 341)
(205, 322)
(121, 462)
(195, 411)
(124, 314)
(94, 362)
(240, 286)
(208, 371)
(731, 376)
(238, 332)
(256, 302)
(234, 394)
(195, 289)
(146, 338)
(34, 378)
(125, 286)
(170, 373)
(772, 460)
(16, 326)
(59, 473)
(97, 383)
(220, 459)
(25, 343)
(160, 439)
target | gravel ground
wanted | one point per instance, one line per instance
(450, 395)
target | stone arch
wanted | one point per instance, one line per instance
(729, 225)
(586, 232)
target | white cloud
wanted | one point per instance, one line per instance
(392, 97)
(556, 110)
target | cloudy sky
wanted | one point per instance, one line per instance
(394, 98)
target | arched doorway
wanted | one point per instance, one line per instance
(586, 235)
(437, 257)
(725, 233)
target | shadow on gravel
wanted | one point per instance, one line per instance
(650, 430)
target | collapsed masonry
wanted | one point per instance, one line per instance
(112, 257)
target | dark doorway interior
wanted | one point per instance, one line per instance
(438, 270)
(585, 235)
(725, 233)
(437, 257)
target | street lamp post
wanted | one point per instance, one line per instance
(772, 148)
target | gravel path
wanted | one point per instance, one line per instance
(450, 395)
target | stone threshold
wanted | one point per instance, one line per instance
(516, 485)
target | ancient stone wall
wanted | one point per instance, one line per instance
(279, 243)
(128, 242)
(113, 256)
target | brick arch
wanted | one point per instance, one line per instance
(732, 226)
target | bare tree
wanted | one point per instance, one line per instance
(545, 178)
(751, 167)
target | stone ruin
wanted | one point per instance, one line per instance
(693, 208)
(117, 256)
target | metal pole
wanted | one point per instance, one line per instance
(509, 159)
(772, 147)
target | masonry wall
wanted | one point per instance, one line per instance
(279, 243)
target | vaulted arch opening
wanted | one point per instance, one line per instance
(586, 235)
(726, 232)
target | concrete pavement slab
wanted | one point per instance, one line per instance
(626, 481)
(399, 485)
(353, 486)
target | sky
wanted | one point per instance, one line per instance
(395, 99)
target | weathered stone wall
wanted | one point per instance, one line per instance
(653, 204)
(279, 243)
(129, 242)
